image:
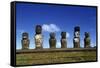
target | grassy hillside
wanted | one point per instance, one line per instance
(47, 56)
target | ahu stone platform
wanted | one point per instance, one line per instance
(57, 55)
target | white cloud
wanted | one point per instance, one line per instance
(93, 44)
(68, 35)
(50, 28)
(58, 45)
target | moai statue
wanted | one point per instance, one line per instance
(76, 40)
(63, 40)
(87, 40)
(38, 37)
(25, 41)
(52, 40)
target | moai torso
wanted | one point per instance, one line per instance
(38, 40)
(76, 40)
(25, 41)
(52, 40)
(63, 40)
(87, 40)
(38, 37)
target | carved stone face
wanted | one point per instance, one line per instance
(25, 35)
(38, 29)
(86, 34)
(63, 34)
(52, 35)
(77, 34)
(25, 41)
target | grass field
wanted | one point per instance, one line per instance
(31, 57)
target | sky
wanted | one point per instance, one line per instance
(54, 18)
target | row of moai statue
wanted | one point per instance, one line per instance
(76, 40)
(52, 40)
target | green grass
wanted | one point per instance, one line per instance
(54, 57)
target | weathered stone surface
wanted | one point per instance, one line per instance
(38, 29)
(76, 40)
(25, 41)
(38, 41)
(38, 37)
(63, 40)
(87, 40)
(52, 40)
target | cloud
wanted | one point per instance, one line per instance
(67, 35)
(50, 28)
(58, 45)
(93, 44)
